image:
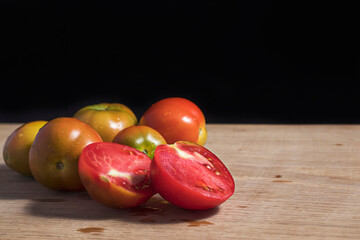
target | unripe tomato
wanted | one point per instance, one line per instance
(143, 138)
(17, 147)
(176, 119)
(55, 153)
(107, 118)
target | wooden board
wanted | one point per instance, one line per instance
(292, 182)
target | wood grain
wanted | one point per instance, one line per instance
(292, 182)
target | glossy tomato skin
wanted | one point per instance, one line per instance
(17, 147)
(190, 176)
(116, 175)
(143, 138)
(55, 152)
(107, 118)
(176, 119)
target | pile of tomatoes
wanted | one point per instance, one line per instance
(121, 162)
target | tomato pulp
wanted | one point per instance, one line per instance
(116, 175)
(190, 176)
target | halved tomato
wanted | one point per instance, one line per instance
(190, 176)
(115, 175)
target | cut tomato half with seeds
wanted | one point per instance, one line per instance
(115, 175)
(190, 176)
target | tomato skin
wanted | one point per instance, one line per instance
(107, 118)
(55, 152)
(17, 147)
(143, 138)
(183, 186)
(104, 187)
(176, 119)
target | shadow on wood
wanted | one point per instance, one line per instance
(78, 205)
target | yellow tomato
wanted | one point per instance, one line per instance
(17, 146)
(107, 118)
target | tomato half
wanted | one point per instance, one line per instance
(116, 175)
(176, 119)
(107, 118)
(143, 138)
(54, 155)
(190, 176)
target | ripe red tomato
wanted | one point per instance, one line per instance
(143, 138)
(176, 119)
(54, 155)
(116, 175)
(17, 147)
(107, 118)
(190, 176)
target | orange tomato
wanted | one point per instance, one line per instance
(54, 155)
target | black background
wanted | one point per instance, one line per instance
(239, 61)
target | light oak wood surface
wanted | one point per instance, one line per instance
(292, 182)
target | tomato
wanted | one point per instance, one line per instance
(116, 175)
(176, 119)
(17, 147)
(143, 138)
(55, 152)
(107, 118)
(190, 176)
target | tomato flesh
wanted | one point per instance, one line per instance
(190, 176)
(115, 175)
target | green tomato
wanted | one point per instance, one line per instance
(143, 138)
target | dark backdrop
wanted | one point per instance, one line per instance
(239, 61)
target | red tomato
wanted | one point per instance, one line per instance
(190, 176)
(54, 155)
(116, 175)
(107, 118)
(143, 138)
(176, 119)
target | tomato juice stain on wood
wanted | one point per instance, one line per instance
(91, 230)
(197, 223)
(282, 181)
